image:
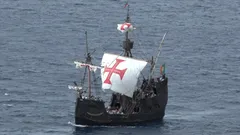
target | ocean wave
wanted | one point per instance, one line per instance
(18, 101)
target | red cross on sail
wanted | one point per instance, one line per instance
(120, 74)
(114, 70)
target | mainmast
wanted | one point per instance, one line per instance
(127, 44)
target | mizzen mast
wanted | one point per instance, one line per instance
(88, 61)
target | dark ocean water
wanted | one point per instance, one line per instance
(40, 39)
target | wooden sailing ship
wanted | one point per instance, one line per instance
(131, 103)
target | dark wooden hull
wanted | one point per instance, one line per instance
(118, 121)
(93, 112)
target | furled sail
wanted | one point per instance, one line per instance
(74, 87)
(91, 67)
(120, 74)
(125, 27)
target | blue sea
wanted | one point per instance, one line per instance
(40, 39)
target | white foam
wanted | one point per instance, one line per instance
(83, 126)
(8, 105)
(75, 125)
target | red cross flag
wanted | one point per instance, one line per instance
(125, 27)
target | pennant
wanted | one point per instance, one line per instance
(126, 4)
(162, 69)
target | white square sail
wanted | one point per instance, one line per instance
(120, 74)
